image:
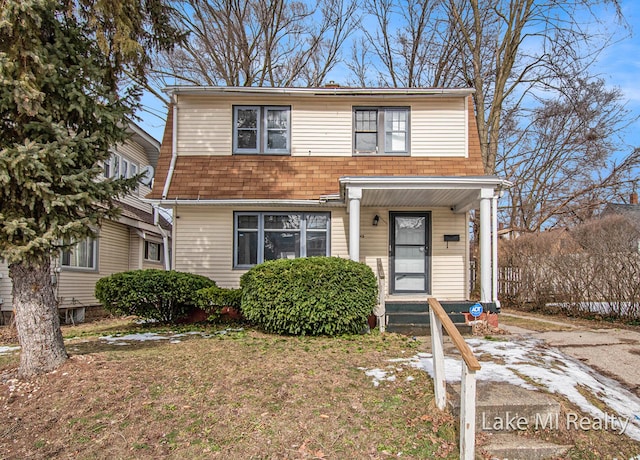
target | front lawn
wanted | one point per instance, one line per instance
(235, 395)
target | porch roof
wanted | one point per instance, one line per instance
(460, 194)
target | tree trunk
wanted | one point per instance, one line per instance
(37, 321)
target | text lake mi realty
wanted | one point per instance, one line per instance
(514, 422)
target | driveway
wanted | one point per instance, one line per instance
(615, 352)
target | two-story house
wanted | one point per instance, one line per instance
(389, 175)
(136, 240)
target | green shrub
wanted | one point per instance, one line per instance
(213, 299)
(309, 296)
(161, 295)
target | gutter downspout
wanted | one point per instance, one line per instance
(165, 238)
(174, 146)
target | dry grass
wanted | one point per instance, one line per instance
(242, 395)
(237, 396)
(532, 324)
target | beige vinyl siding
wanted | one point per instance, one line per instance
(204, 240)
(322, 126)
(133, 151)
(75, 288)
(439, 128)
(5, 288)
(205, 124)
(204, 243)
(136, 250)
(374, 241)
(449, 265)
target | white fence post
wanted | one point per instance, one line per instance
(437, 348)
(467, 413)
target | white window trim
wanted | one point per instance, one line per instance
(382, 132)
(261, 130)
(261, 231)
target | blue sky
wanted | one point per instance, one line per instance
(619, 65)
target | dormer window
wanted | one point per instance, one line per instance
(381, 130)
(262, 129)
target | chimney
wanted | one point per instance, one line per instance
(634, 198)
(332, 84)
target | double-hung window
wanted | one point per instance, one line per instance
(381, 130)
(82, 254)
(152, 251)
(261, 236)
(262, 129)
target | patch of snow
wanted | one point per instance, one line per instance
(531, 364)
(142, 337)
(154, 336)
(7, 350)
(379, 375)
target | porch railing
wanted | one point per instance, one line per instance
(470, 365)
(380, 310)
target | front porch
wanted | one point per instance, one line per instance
(414, 233)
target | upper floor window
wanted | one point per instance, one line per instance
(82, 254)
(118, 166)
(261, 236)
(381, 130)
(261, 129)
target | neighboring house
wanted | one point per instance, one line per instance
(136, 240)
(631, 210)
(389, 175)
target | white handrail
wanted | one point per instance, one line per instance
(470, 365)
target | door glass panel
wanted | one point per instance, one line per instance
(410, 230)
(410, 283)
(409, 260)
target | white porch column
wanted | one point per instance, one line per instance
(355, 195)
(486, 196)
(494, 250)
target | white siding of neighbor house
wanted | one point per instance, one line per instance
(321, 126)
(75, 288)
(204, 245)
(5, 288)
(136, 248)
(134, 152)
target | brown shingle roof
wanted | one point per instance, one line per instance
(292, 177)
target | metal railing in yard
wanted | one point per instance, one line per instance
(470, 365)
(380, 310)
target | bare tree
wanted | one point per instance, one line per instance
(410, 44)
(257, 42)
(560, 155)
(504, 49)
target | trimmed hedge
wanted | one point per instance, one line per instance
(309, 296)
(213, 299)
(161, 295)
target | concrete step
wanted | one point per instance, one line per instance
(508, 446)
(501, 407)
(419, 318)
(423, 329)
(502, 410)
